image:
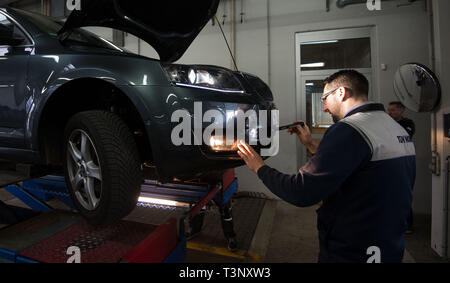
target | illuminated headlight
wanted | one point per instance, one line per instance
(192, 76)
(203, 77)
(218, 143)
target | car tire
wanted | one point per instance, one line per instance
(102, 166)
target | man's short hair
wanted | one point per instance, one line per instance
(398, 104)
(352, 80)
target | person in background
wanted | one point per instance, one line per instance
(396, 110)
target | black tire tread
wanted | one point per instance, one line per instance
(120, 167)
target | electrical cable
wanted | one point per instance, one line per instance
(226, 41)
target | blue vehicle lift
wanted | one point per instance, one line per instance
(40, 238)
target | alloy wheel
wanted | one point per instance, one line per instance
(84, 170)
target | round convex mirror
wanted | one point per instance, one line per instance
(417, 87)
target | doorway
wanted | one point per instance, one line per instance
(319, 55)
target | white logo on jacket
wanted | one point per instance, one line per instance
(382, 134)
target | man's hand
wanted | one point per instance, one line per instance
(305, 137)
(250, 156)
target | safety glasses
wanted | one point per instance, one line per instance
(328, 93)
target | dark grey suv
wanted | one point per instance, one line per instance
(74, 102)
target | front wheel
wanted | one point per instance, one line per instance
(102, 166)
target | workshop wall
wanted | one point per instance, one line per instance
(265, 46)
(29, 5)
(402, 36)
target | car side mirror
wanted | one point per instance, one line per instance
(12, 41)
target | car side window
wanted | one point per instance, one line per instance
(10, 33)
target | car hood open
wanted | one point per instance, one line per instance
(168, 26)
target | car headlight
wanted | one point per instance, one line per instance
(204, 77)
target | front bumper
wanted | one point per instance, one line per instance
(189, 161)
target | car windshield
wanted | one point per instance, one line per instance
(78, 36)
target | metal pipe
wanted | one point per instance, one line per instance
(224, 12)
(242, 11)
(343, 3)
(445, 210)
(434, 149)
(46, 7)
(233, 32)
(269, 57)
(196, 209)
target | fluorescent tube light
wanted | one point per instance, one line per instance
(319, 42)
(313, 65)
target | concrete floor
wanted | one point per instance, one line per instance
(294, 237)
(281, 233)
(299, 243)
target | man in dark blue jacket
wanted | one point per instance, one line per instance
(363, 170)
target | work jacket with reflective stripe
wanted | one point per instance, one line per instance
(364, 172)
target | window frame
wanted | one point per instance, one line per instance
(331, 33)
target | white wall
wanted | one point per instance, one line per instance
(401, 37)
(441, 11)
